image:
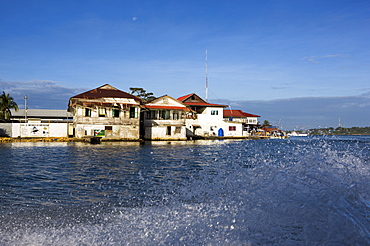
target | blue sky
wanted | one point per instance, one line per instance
(275, 58)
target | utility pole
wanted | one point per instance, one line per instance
(25, 108)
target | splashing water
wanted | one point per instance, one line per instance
(268, 192)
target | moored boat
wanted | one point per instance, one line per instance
(296, 134)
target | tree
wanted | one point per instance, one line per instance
(141, 93)
(6, 103)
(266, 123)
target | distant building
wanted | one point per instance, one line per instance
(250, 121)
(272, 131)
(106, 112)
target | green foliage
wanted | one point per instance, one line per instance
(266, 123)
(341, 131)
(6, 103)
(141, 93)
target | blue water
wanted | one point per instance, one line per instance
(299, 191)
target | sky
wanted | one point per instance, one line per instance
(299, 64)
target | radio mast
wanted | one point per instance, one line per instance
(206, 75)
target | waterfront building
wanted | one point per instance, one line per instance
(37, 123)
(164, 118)
(110, 113)
(249, 121)
(207, 119)
(106, 112)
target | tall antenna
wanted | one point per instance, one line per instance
(206, 75)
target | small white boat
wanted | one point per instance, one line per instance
(295, 134)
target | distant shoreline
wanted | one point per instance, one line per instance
(341, 131)
(339, 134)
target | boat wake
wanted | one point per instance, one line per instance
(273, 192)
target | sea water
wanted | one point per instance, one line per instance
(298, 191)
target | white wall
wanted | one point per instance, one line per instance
(210, 124)
(118, 131)
(39, 130)
(160, 133)
(238, 129)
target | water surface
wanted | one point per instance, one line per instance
(300, 191)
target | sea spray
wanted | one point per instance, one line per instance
(268, 192)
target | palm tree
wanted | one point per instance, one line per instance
(7, 103)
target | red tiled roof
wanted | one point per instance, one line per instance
(167, 107)
(183, 98)
(237, 114)
(198, 103)
(106, 91)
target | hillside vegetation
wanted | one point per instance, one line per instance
(340, 131)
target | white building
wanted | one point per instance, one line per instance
(37, 123)
(249, 121)
(164, 118)
(208, 119)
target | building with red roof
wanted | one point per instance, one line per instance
(208, 119)
(164, 118)
(250, 121)
(197, 104)
(105, 112)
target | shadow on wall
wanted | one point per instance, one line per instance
(3, 133)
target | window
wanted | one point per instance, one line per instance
(101, 112)
(134, 112)
(165, 114)
(178, 130)
(108, 128)
(115, 112)
(168, 132)
(175, 115)
(153, 114)
(87, 112)
(232, 128)
(214, 112)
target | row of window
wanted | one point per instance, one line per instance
(102, 112)
(164, 115)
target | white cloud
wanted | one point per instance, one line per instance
(313, 59)
(41, 93)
